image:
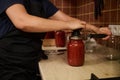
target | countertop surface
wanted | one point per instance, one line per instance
(57, 68)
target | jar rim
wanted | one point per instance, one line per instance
(75, 37)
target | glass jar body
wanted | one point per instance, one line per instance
(75, 52)
(60, 40)
(112, 52)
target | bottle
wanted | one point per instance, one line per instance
(60, 40)
(75, 49)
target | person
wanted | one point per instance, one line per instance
(23, 23)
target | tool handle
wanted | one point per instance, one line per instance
(97, 35)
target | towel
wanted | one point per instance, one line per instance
(99, 6)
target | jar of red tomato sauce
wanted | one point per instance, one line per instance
(60, 39)
(75, 50)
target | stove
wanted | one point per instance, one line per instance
(94, 77)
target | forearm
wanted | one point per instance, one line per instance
(92, 28)
(37, 24)
(62, 16)
(29, 23)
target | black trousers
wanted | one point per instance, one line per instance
(12, 68)
(22, 76)
(19, 72)
(24, 72)
(19, 56)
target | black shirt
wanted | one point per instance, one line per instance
(6, 25)
(19, 51)
(16, 42)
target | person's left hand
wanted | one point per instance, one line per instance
(105, 30)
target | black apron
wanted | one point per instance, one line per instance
(20, 51)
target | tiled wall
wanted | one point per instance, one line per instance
(84, 10)
(67, 6)
(110, 13)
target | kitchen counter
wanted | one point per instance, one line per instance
(57, 68)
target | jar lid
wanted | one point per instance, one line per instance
(75, 33)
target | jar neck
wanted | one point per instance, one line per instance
(75, 38)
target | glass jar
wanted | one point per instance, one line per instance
(112, 52)
(60, 39)
(75, 51)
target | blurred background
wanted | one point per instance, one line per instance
(85, 9)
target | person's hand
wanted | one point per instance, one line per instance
(105, 30)
(76, 24)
